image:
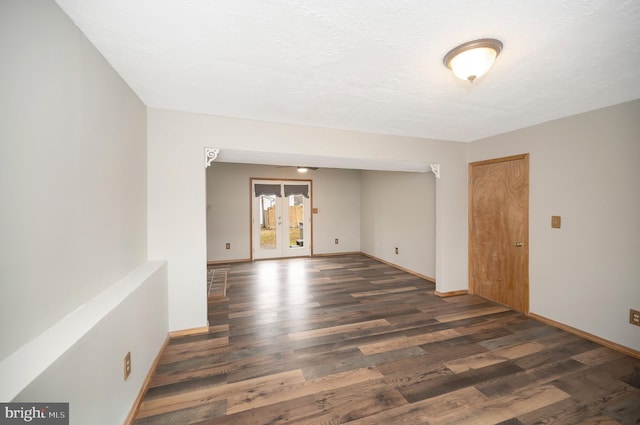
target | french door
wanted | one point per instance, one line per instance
(281, 218)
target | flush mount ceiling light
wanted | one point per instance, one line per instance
(302, 169)
(472, 60)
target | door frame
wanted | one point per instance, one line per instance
(524, 157)
(310, 233)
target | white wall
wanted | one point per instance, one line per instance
(73, 220)
(228, 211)
(177, 195)
(585, 169)
(88, 348)
(72, 171)
(336, 194)
(177, 217)
(399, 210)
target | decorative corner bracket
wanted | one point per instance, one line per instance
(435, 168)
(210, 154)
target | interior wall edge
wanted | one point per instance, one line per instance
(91, 342)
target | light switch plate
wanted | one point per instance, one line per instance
(555, 221)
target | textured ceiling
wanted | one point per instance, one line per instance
(370, 65)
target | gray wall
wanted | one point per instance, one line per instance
(74, 275)
(399, 210)
(585, 169)
(73, 171)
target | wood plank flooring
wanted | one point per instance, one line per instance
(332, 340)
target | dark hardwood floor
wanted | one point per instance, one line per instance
(332, 340)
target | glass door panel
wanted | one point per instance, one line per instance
(296, 221)
(268, 234)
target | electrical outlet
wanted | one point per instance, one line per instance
(228, 246)
(127, 365)
(336, 241)
(634, 317)
(396, 250)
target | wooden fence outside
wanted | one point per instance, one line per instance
(295, 217)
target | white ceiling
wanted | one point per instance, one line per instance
(370, 65)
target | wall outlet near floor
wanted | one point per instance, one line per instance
(228, 245)
(336, 241)
(634, 317)
(396, 250)
(127, 365)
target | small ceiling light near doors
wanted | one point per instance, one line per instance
(302, 169)
(473, 59)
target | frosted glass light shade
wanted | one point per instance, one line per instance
(473, 59)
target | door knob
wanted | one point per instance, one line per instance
(518, 244)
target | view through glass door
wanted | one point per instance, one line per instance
(281, 218)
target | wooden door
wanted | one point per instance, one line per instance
(499, 230)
